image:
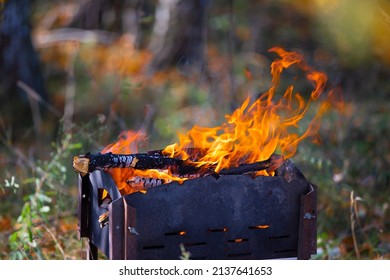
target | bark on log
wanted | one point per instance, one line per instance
(270, 164)
(84, 164)
(88, 163)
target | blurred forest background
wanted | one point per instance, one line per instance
(74, 74)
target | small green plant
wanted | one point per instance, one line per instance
(24, 242)
(10, 184)
(33, 224)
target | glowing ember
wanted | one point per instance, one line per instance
(250, 134)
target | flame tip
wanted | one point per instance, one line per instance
(255, 130)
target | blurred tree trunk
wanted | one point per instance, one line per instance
(178, 35)
(22, 89)
(93, 15)
(137, 19)
(131, 17)
(18, 58)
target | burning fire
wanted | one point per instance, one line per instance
(255, 131)
(252, 133)
(129, 180)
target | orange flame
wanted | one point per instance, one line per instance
(251, 133)
(128, 143)
(255, 131)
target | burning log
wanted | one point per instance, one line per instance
(103, 219)
(85, 164)
(270, 164)
(145, 183)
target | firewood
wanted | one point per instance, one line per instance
(85, 164)
(145, 183)
(103, 219)
(270, 164)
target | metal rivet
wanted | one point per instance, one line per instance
(133, 230)
(308, 216)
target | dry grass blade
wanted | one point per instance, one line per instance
(52, 235)
(353, 216)
(355, 222)
(33, 95)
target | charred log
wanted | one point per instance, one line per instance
(145, 183)
(270, 164)
(103, 219)
(85, 164)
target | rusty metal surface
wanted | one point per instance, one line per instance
(90, 210)
(117, 230)
(233, 217)
(307, 243)
(131, 234)
(84, 186)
